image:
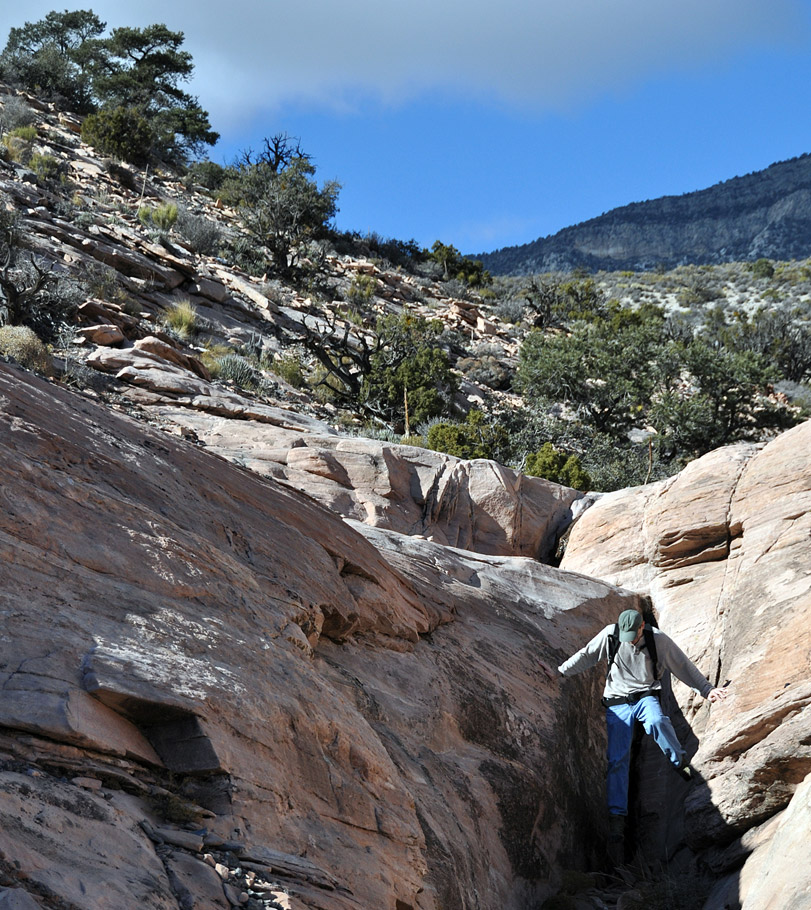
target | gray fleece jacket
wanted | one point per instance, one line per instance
(632, 670)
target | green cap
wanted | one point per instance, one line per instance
(629, 623)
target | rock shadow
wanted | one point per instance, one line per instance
(674, 829)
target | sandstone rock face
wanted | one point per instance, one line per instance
(723, 550)
(784, 874)
(350, 715)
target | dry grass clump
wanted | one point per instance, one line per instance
(182, 319)
(23, 344)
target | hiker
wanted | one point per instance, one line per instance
(637, 656)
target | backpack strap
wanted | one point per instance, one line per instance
(650, 642)
(613, 646)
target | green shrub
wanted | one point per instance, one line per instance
(236, 369)
(201, 234)
(122, 132)
(697, 292)
(326, 387)
(555, 465)
(182, 319)
(416, 440)
(352, 314)
(212, 355)
(17, 149)
(280, 203)
(606, 369)
(477, 437)
(559, 303)
(102, 281)
(26, 133)
(612, 462)
(46, 167)
(455, 266)
(244, 253)
(207, 174)
(762, 268)
(162, 217)
(361, 290)
(288, 368)
(22, 343)
(410, 365)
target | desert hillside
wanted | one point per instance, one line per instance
(766, 214)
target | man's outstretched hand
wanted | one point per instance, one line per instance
(716, 695)
(552, 674)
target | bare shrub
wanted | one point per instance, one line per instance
(202, 234)
(15, 113)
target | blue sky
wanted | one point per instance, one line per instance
(490, 124)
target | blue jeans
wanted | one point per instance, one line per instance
(620, 722)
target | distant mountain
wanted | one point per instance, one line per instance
(764, 214)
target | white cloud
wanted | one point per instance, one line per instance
(543, 54)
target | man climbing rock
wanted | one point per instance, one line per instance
(637, 657)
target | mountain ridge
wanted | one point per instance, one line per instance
(765, 213)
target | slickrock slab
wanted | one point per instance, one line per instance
(784, 873)
(103, 249)
(476, 505)
(209, 288)
(353, 696)
(17, 899)
(196, 882)
(112, 863)
(246, 288)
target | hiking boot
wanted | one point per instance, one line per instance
(616, 827)
(685, 771)
(615, 848)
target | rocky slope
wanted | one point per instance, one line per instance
(359, 713)
(764, 214)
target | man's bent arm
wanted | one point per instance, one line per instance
(588, 656)
(671, 657)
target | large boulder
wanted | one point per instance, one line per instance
(476, 505)
(358, 715)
